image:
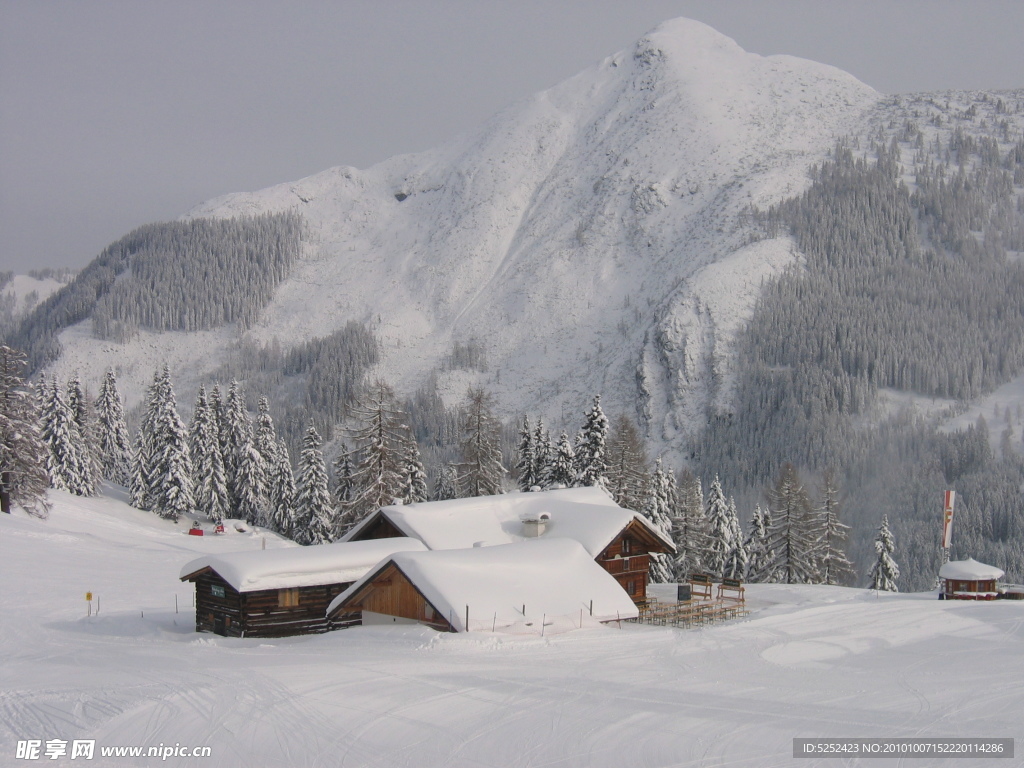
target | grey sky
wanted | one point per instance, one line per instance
(117, 113)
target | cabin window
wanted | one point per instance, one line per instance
(631, 587)
(287, 598)
(625, 546)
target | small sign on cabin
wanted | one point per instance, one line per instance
(217, 590)
(88, 596)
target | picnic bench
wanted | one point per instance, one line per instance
(700, 585)
(731, 589)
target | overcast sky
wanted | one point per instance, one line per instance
(117, 113)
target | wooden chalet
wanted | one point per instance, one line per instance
(969, 580)
(521, 588)
(280, 592)
(619, 540)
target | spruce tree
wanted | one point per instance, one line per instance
(344, 478)
(314, 512)
(658, 511)
(690, 528)
(884, 572)
(67, 466)
(414, 480)
(720, 529)
(114, 442)
(211, 492)
(737, 557)
(81, 410)
(171, 457)
(447, 483)
(792, 535)
(265, 437)
(526, 458)
(760, 558)
(562, 469)
(543, 454)
(591, 456)
(23, 454)
(280, 509)
(483, 473)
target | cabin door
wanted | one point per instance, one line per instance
(218, 624)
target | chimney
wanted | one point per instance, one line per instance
(536, 525)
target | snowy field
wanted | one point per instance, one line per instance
(807, 662)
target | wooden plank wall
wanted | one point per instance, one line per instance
(392, 594)
(627, 559)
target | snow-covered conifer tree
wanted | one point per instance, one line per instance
(482, 471)
(344, 478)
(884, 572)
(759, 557)
(526, 458)
(543, 454)
(833, 566)
(658, 510)
(736, 558)
(66, 465)
(562, 469)
(172, 459)
(265, 437)
(447, 483)
(414, 481)
(591, 455)
(211, 492)
(23, 454)
(380, 440)
(251, 483)
(81, 410)
(720, 529)
(280, 509)
(236, 442)
(114, 442)
(313, 509)
(690, 528)
(792, 536)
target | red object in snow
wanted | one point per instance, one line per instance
(219, 528)
(196, 529)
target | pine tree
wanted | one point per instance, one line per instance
(591, 456)
(447, 484)
(23, 454)
(143, 487)
(313, 509)
(280, 510)
(833, 566)
(526, 458)
(114, 443)
(344, 478)
(171, 457)
(236, 443)
(66, 465)
(562, 469)
(657, 509)
(792, 535)
(251, 484)
(265, 437)
(884, 572)
(627, 465)
(483, 472)
(720, 529)
(211, 492)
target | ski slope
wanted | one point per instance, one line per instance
(807, 662)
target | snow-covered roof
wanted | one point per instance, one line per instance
(969, 570)
(587, 515)
(290, 567)
(550, 577)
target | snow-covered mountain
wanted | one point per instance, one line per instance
(591, 238)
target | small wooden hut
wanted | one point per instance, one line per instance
(280, 592)
(619, 540)
(520, 588)
(969, 580)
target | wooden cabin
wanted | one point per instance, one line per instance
(522, 588)
(969, 580)
(280, 592)
(619, 540)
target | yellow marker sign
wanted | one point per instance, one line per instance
(88, 596)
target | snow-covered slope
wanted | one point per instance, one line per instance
(590, 237)
(809, 661)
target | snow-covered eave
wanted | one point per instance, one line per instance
(969, 570)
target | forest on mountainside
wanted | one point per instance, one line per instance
(908, 282)
(184, 275)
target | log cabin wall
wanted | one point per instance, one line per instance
(218, 606)
(263, 613)
(391, 593)
(629, 561)
(381, 528)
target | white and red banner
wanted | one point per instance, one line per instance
(947, 518)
